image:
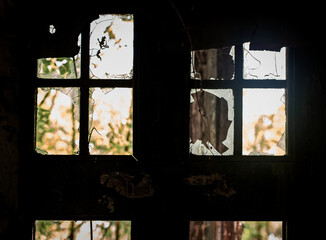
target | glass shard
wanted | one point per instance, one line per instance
(111, 131)
(57, 125)
(264, 64)
(211, 118)
(111, 47)
(264, 121)
(213, 64)
(235, 230)
(81, 230)
(61, 67)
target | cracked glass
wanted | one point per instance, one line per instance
(57, 124)
(60, 67)
(213, 64)
(264, 65)
(235, 230)
(211, 121)
(111, 47)
(264, 122)
(82, 230)
(111, 121)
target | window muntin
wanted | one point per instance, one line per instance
(109, 56)
(270, 67)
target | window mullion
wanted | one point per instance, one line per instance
(237, 91)
(84, 92)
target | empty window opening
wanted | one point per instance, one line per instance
(110, 121)
(82, 230)
(264, 121)
(236, 230)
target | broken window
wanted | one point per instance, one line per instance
(248, 107)
(57, 124)
(111, 47)
(84, 118)
(264, 121)
(235, 230)
(213, 64)
(110, 121)
(59, 67)
(264, 64)
(82, 230)
(211, 118)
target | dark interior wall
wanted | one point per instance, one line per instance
(174, 189)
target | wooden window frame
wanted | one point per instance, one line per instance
(237, 85)
(84, 83)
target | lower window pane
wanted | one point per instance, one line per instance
(235, 230)
(111, 121)
(57, 124)
(211, 122)
(264, 121)
(81, 230)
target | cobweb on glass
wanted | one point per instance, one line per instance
(111, 47)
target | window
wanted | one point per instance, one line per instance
(235, 230)
(82, 230)
(238, 102)
(84, 103)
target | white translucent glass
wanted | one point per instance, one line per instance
(111, 47)
(264, 64)
(264, 122)
(211, 121)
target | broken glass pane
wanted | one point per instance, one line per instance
(264, 121)
(211, 118)
(111, 121)
(81, 230)
(57, 125)
(59, 68)
(264, 64)
(235, 230)
(111, 47)
(213, 64)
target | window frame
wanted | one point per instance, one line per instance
(237, 84)
(84, 83)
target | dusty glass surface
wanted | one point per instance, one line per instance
(81, 230)
(111, 122)
(211, 122)
(264, 122)
(111, 47)
(235, 230)
(60, 67)
(264, 64)
(213, 64)
(57, 124)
